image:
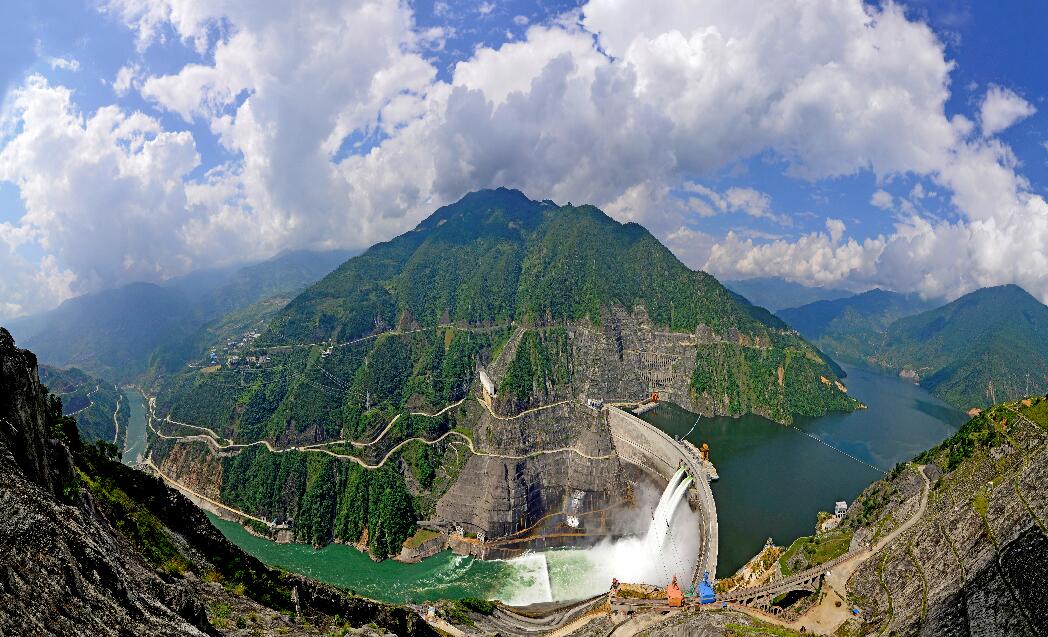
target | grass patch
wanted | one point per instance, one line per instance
(419, 538)
(739, 630)
(817, 549)
(1037, 412)
(981, 503)
(477, 605)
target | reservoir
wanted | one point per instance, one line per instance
(773, 481)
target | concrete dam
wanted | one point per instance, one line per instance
(651, 449)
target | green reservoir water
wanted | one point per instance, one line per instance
(773, 481)
(135, 444)
(520, 581)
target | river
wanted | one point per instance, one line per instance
(773, 481)
(135, 443)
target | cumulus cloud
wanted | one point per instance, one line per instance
(882, 199)
(126, 79)
(1002, 108)
(754, 203)
(103, 193)
(668, 94)
(818, 258)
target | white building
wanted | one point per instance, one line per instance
(840, 509)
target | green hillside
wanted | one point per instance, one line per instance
(496, 257)
(853, 328)
(91, 400)
(997, 334)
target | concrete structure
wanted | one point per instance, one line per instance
(648, 447)
(761, 597)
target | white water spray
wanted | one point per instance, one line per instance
(668, 548)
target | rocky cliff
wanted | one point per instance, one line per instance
(976, 560)
(89, 546)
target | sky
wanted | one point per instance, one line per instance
(831, 142)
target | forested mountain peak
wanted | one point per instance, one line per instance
(496, 256)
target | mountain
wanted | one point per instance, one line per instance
(377, 364)
(93, 547)
(852, 328)
(114, 333)
(997, 335)
(97, 405)
(776, 293)
(286, 273)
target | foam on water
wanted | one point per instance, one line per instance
(528, 582)
(667, 549)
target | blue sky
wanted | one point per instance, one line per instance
(234, 135)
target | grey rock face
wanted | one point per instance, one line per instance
(961, 570)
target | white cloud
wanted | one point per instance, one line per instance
(484, 8)
(126, 79)
(684, 90)
(98, 189)
(520, 20)
(66, 64)
(882, 199)
(1001, 108)
(819, 258)
(735, 199)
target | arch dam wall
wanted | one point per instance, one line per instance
(648, 447)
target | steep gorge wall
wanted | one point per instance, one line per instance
(976, 563)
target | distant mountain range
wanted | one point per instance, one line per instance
(97, 405)
(114, 333)
(776, 293)
(997, 335)
(851, 328)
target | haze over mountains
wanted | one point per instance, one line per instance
(776, 293)
(114, 333)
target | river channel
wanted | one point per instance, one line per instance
(773, 481)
